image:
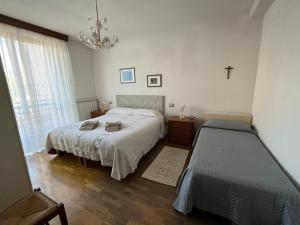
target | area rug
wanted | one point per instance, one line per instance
(167, 166)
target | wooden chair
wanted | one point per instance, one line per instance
(34, 209)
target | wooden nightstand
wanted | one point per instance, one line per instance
(181, 131)
(98, 113)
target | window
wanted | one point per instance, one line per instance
(39, 76)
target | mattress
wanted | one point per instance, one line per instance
(233, 175)
(120, 150)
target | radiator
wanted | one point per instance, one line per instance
(85, 107)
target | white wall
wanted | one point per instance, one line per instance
(192, 61)
(81, 59)
(14, 178)
(276, 107)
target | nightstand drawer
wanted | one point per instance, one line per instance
(181, 131)
(181, 141)
(184, 133)
(98, 113)
(181, 125)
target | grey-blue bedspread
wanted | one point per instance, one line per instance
(233, 175)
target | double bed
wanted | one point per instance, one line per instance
(233, 175)
(142, 126)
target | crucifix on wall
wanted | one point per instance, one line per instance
(229, 68)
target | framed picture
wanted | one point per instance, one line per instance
(154, 80)
(127, 75)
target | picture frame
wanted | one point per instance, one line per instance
(127, 75)
(154, 80)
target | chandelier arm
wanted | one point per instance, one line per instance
(98, 21)
(97, 10)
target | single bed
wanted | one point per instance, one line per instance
(142, 126)
(233, 175)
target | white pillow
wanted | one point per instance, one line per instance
(120, 110)
(131, 111)
(145, 112)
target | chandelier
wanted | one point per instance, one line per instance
(94, 40)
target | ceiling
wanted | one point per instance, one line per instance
(124, 16)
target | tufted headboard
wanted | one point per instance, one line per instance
(141, 102)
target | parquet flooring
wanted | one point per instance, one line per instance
(91, 197)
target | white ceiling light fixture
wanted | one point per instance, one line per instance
(94, 40)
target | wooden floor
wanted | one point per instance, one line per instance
(91, 197)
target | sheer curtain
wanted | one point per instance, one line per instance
(39, 75)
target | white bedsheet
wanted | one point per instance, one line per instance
(120, 150)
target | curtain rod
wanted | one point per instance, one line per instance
(31, 27)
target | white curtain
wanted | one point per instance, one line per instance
(39, 75)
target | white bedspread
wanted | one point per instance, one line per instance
(120, 150)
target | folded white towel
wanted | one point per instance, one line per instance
(113, 126)
(89, 125)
